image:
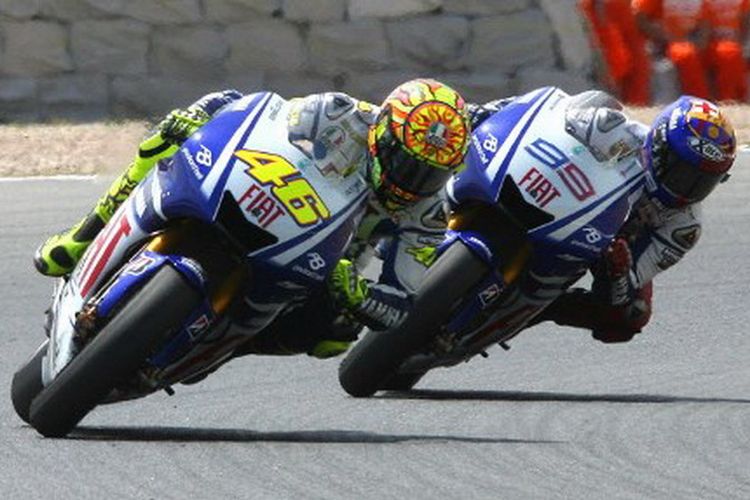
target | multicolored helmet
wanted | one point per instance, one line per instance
(418, 141)
(689, 150)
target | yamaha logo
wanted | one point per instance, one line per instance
(315, 261)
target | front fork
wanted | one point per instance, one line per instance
(224, 279)
(198, 253)
(506, 257)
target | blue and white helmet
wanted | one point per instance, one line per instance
(688, 151)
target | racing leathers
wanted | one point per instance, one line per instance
(653, 238)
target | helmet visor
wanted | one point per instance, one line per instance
(687, 182)
(407, 171)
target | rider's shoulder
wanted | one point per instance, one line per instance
(311, 114)
(670, 218)
(598, 120)
(334, 106)
(338, 104)
(690, 214)
(683, 225)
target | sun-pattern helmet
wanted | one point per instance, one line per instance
(418, 141)
(689, 150)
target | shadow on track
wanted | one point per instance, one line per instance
(190, 434)
(447, 395)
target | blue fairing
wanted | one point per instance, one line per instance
(475, 182)
(181, 177)
(606, 224)
(139, 270)
(496, 143)
(476, 241)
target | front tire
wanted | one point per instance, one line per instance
(27, 383)
(374, 361)
(115, 354)
(402, 381)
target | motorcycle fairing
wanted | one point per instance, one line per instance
(521, 139)
(579, 226)
(476, 241)
(179, 188)
(135, 274)
(139, 270)
(492, 142)
(229, 178)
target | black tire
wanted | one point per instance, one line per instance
(115, 353)
(402, 381)
(377, 357)
(27, 383)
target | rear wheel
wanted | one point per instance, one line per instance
(27, 383)
(374, 361)
(115, 354)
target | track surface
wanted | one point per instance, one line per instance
(559, 416)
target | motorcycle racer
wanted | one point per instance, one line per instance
(686, 152)
(405, 150)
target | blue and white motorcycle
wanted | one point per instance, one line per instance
(533, 210)
(236, 228)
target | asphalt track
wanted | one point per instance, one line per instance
(559, 416)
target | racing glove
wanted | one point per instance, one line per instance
(631, 307)
(180, 124)
(478, 113)
(175, 128)
(618, 261)
(163, 141)
(378, 306)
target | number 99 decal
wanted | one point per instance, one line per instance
(289, 187)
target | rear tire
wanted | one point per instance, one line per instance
(374, 361)
(115, 354)
(27, 383)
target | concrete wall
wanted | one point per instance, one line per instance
(89, 59)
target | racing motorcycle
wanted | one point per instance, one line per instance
(534, 208)
(237, 228)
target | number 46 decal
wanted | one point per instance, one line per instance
(288, 186)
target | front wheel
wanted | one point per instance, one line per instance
(403, 381)
(115, 354)
(27, 383)
(374, 361)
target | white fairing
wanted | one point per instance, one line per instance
(559, 172)
(270, 134)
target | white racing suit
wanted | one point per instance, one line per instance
(657, 237)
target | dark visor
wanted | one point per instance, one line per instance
(688, 182)
(408, 172)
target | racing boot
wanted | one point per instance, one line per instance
(60, 253)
